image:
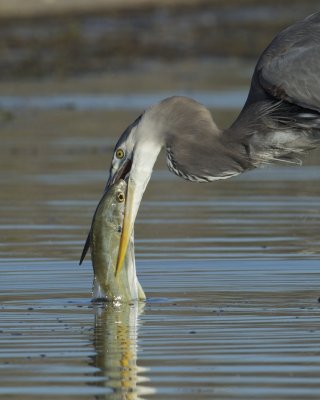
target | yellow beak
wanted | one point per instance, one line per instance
(127, 227)
(140, 173)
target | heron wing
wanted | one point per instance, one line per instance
(289, 69)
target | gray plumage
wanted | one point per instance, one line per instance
(280, 119)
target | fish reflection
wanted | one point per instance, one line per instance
(115, 341)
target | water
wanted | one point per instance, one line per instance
(133, 101)
(230, 269)
(245, 329)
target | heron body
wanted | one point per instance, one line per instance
(279, 121)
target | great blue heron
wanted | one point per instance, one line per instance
(280, 119)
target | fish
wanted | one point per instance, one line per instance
(105, 234)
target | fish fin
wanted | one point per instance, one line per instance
(141, 294)
(85, 248)
(87, 243)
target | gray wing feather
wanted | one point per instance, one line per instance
(289, 69)
(279, 121)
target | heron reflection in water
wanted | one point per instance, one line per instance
(279, 121)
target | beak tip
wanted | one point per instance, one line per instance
(116, 273)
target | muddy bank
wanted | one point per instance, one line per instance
(60, 45)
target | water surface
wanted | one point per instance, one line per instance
(231, 271)
(134, 101)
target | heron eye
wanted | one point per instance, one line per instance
(120, 153)
(120, 197)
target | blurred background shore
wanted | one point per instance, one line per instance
(59, 40)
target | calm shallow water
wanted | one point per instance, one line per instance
(241, 329)
(231, 271)
(135, 101)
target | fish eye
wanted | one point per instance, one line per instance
(120, 197)
(120, 153)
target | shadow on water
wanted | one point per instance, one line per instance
(116, 341)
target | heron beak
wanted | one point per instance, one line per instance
(128, 224)
(138, 173)
(137, 182)
(120, 174)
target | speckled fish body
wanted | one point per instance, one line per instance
(104, 243)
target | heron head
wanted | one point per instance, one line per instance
(178, 123)
(133, 159)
